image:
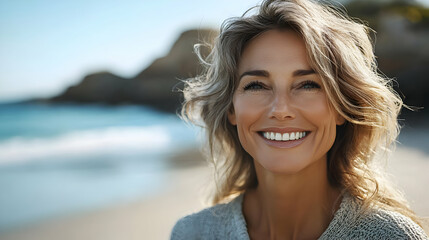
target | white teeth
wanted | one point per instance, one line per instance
(284, 136)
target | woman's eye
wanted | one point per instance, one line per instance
(254, 86)
(309, 85)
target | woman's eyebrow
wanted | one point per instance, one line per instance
(303, 72)
(263, 73)
(258, 73)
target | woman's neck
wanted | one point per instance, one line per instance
(296, 206)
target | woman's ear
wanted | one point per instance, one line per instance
(231, 117)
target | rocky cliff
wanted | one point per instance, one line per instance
(402, 46)
(155, 86)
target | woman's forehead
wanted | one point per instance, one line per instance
(274, 49)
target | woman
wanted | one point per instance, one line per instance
(295, 113)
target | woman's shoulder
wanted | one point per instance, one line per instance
(221, 221)
(352, 222)
(380, 222)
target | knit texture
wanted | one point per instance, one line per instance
(226, 221)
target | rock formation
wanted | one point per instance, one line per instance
(155, 86)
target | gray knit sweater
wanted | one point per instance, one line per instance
(226, 221)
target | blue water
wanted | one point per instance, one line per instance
(62, 159)
(47, 120)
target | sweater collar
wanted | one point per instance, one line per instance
(345, 216)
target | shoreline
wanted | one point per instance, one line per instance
(154, 216)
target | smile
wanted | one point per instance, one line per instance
(283, 136)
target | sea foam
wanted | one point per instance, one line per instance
(147, 139)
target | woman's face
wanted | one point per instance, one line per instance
(280, 108)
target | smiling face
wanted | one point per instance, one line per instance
(280, 108)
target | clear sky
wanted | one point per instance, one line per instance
(47, 45)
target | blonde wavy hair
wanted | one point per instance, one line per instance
(340, 51)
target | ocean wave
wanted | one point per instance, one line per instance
(86, 143)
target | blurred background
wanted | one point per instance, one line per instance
(90, 144)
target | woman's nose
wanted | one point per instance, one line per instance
(281, 108)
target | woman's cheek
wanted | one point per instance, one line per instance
(314, 105)
(249, 105)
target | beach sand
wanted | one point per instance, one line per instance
(153, 217)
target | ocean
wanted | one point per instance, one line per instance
(62, 159)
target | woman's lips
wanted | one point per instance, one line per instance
(288, 136)
(284, 140)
